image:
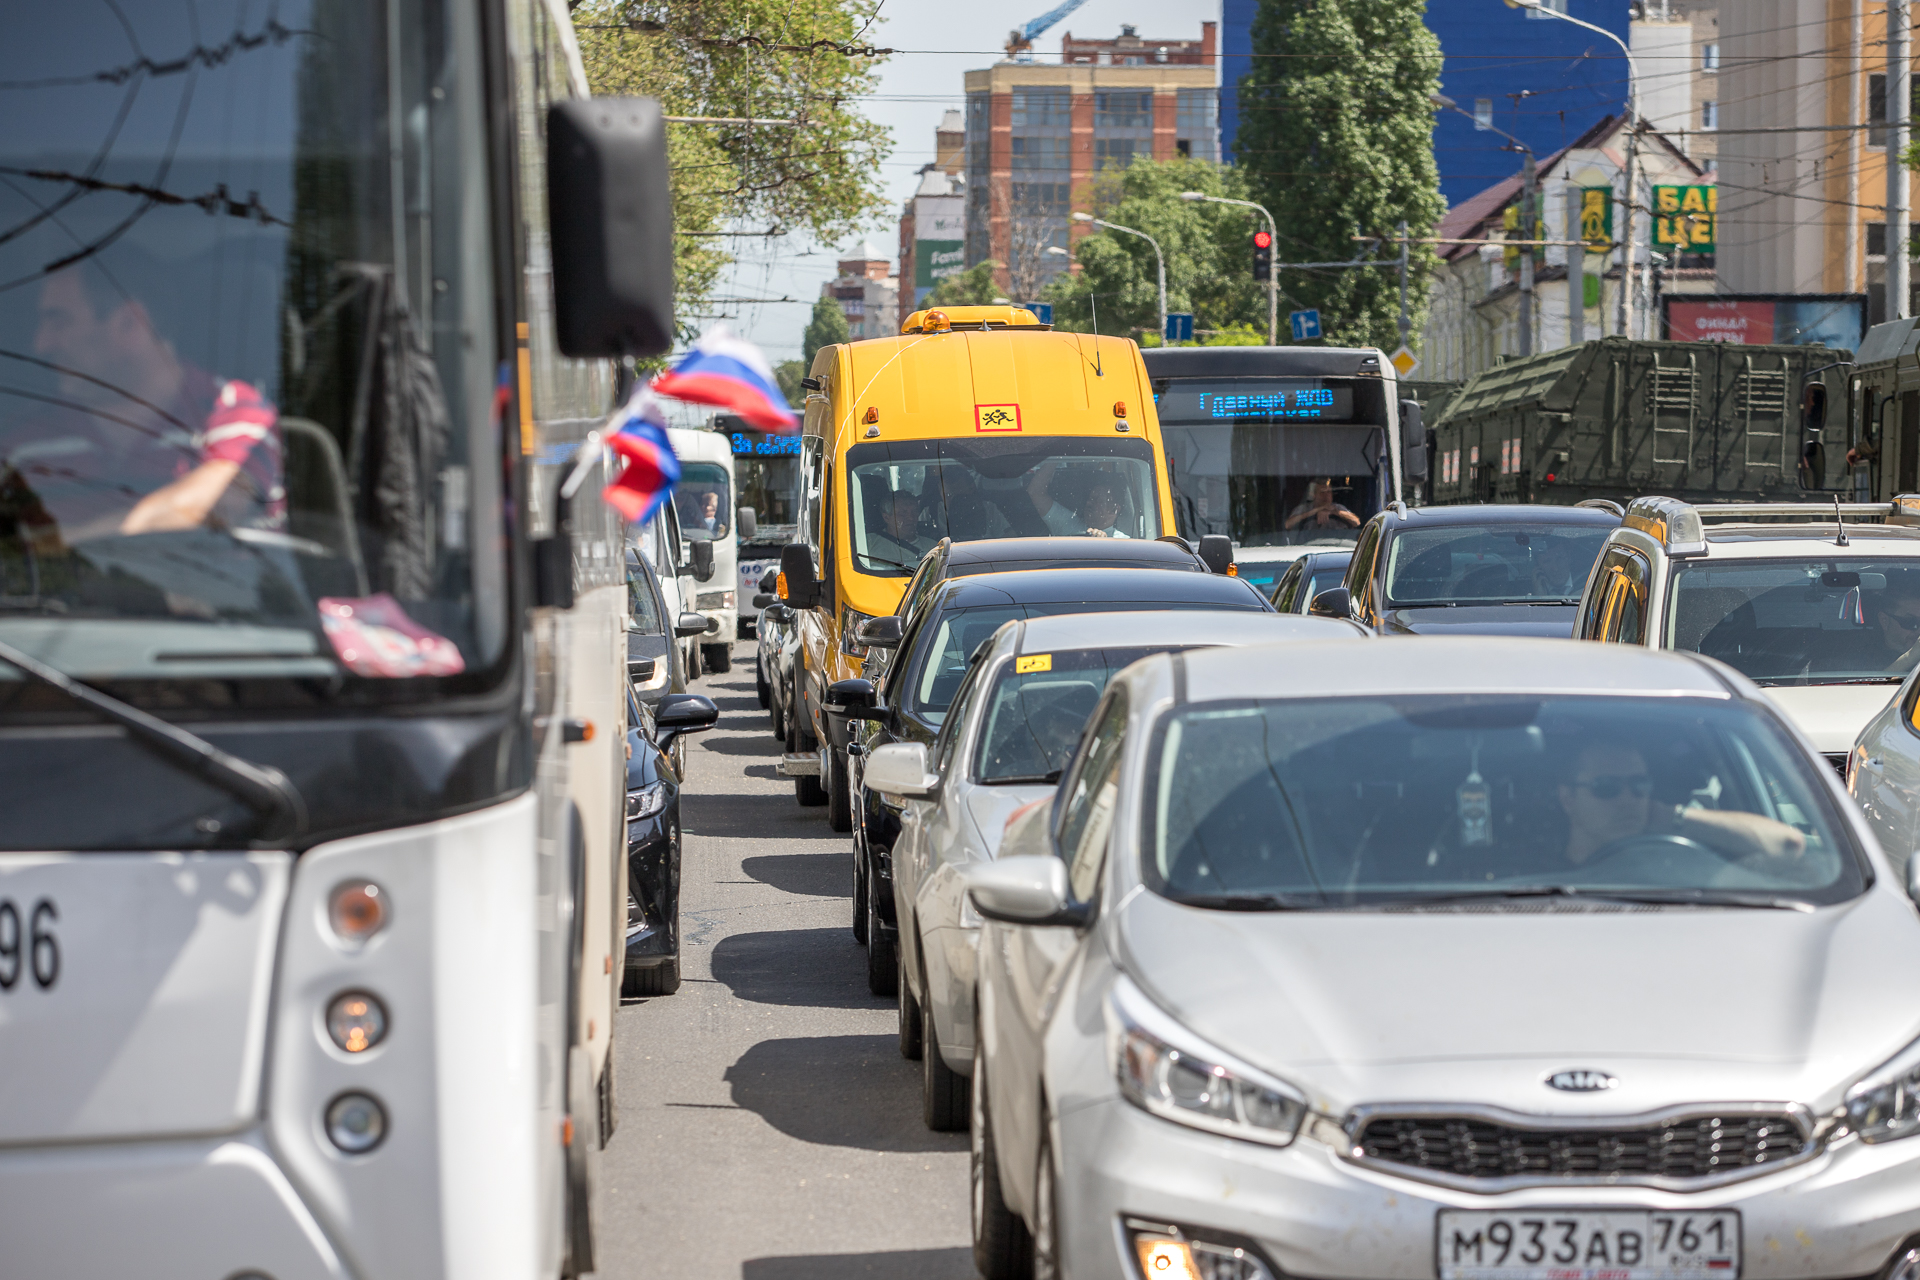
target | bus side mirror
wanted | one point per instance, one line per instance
(702, 555)
(747, 521)
(1216, 550)
(1413, 441)
(796, 571)
(1813, 407)
(611, 210)
(1813, 465)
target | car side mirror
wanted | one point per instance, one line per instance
(703, 561)
(878, 633)
(1334, 602)
(770, 581)
(690, 624)
(1413, 441)
(899, 769)
(682, 713)
(797, 584)
(747, 521)
(1031, 889)
(849, 700)
(764, 600)
(1216, 549)
(610, 207)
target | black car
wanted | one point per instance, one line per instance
(654, 664)
(1471, 570)
(1307, 577)
(653, 839)
(910, 700)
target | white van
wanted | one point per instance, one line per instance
(704, 501)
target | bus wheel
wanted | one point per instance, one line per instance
(717, 658)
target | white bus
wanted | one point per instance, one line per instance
(767, 466)
(312, 875)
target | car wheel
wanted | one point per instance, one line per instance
(911, 1043)
(807, 791)
(761, 689)
(1002, 1246)
(839, 802)
(883, 955)
(859, 895)
(717, 658)
(943, 1091)
(1046, 1213)
(778, 711)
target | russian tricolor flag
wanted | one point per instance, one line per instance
(652, 469)
(729, 373)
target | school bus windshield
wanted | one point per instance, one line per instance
(904, 496)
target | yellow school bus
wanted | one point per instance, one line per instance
(975, 422)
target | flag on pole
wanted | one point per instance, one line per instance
(651, 468)
(729, 373)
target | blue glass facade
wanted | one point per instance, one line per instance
(1569, 76)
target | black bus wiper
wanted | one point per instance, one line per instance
(262, 788)
(868, 555)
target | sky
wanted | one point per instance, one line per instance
(940, 43)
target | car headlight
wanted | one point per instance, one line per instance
(1886, 1105)
(646, 801)
(714, 600)
(1163, 1068)
(658, 678)
(849, 619)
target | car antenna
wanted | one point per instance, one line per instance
(1093, 301)
(1839, 525)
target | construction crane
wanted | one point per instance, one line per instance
(1020, 40)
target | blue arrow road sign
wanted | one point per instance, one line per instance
(1306, 324)
(1179, 326)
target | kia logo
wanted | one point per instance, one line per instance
(1581, 1081)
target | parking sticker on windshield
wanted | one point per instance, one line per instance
(1033, 662)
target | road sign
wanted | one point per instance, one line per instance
(1306, 324)
(1042, 311)
(1179, 326)
(1404, 362)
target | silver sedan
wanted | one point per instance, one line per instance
(1016, 717)
(1472, 959)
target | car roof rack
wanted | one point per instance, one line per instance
(1681, 526)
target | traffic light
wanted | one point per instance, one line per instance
(1262, 256)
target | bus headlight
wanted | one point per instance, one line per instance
(357, 910)
(714, 600)
(356, 1122)
(356, 1021)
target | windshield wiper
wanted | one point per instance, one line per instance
(1243, 901)
(1034, 778)
(1651, 897)
(262, 788)
(867, 555)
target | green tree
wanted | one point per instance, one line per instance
(1209, 250)
(788, 373)
(748, 59)
(1336, 137)
(828, 326)
(973, 287)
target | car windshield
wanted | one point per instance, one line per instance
(906, 496)
(1327, 802)
(703, 501)
(247, 349)
(1808, 621)
(1272, 461)
(1508, 563)
(1038, 705)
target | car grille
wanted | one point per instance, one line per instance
(1690, 1147)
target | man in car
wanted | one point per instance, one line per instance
(1320, 511)
(157, 444)
(1608, 798)
(1558, 573)
(1896, 616)
(1097, 512)
(898, 539)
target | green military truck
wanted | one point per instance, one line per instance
(1616, 419)
(1882, 415)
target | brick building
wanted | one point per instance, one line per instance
(868, 294)
(1037, 134)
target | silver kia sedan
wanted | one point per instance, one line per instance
(1474, 959)
(1016, 717)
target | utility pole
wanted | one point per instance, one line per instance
(1159, 259)
(1406, 318)
(1576, 273)
(1528, 231)
(1273, 277)
(1899, 110)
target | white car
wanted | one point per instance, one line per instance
(1883, 773)
(1015, 719)
(1471, 959)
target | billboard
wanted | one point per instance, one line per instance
(939, 241)
(1783, 319)
(1683, 218)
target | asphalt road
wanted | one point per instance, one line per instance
(768, 1127)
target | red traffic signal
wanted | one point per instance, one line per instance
(1262, 256)
(1262, 240)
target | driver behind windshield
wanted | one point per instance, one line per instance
(142, 441)
(1320, 511)
(1608, 799)
(898, 538)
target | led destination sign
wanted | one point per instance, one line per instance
(752, 443)
(1256, 400)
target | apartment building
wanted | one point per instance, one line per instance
(868, 294)
(1037, 134)
(1677, 47)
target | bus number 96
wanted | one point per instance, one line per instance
(28, 945)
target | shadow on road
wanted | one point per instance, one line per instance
(903, 1264)
(819, 968)
(824, 875)
(838, 1091)
(759, 744)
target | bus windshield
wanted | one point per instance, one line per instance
(906, 496)
(248, 416)
(1272, 461)
(767, 468)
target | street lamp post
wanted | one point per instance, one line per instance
(1632, 178)
(1273, 272)
(1158, 258)
(1527, 230)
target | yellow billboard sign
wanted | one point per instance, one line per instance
(1683, 218)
